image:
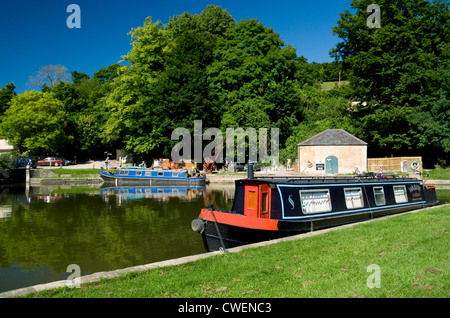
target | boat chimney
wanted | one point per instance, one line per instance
(250, 171)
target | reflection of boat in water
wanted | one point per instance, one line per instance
(5, 211)
(133, 193)
(50, 198)
(141, 176)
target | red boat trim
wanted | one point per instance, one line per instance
(240, 220)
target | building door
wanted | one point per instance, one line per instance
(331, 164)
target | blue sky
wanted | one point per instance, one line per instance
(34, 33)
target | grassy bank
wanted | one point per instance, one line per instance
(75, 172)
(331, 85)
(411, 250)
(440, 174)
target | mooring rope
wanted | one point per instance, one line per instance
(223, 248)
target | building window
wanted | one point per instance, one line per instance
(379, 196)
(354, 198)
(400, 194)
(252, 200)
(315, 201)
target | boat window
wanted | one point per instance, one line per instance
(175, 174)
(138, 173)
(353, 198)
(160, 174)
(315, 201)
(379, 196)
(400, 194)
(264, 202)
(123, 172)
(252, 199)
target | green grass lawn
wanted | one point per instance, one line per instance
(440, 174)
(75, 172)
(410, 251)
(331, 85)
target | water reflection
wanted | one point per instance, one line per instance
(98, 229)
(45, 229)
(5, 211)
(160, 193)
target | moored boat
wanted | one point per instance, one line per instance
(267, 208)
(141, 176)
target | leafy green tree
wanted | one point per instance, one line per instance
(126, 104)
(243, 62)
(108, 74)
(35, 122)
(329, 72)
(84, 114)
(7, 93)
(252, 63)
(164, 86)
(77, 77)
(397, 72)
(321, 110)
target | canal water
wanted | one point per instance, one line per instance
(43, 230)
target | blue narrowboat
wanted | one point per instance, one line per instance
(140, 176)
(267, 208)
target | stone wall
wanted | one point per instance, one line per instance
(313, 159)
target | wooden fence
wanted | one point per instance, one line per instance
(403, 164)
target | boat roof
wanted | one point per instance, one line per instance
(328, 180)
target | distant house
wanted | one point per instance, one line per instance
(5, 146)
(332, 151)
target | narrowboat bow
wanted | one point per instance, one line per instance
(269, 208)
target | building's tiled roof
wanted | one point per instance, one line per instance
(333, 137)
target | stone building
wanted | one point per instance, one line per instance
(333, 151)
(5, 147)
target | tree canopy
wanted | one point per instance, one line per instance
(35, 122)
(399, 73)
(242, 74)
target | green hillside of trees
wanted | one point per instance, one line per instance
(226, 73)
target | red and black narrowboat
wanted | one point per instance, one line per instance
(267, 208)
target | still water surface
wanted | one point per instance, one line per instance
(47, 229)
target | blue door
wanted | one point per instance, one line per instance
(331, 164)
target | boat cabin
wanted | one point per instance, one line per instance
(268, 208)
(306, 197)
